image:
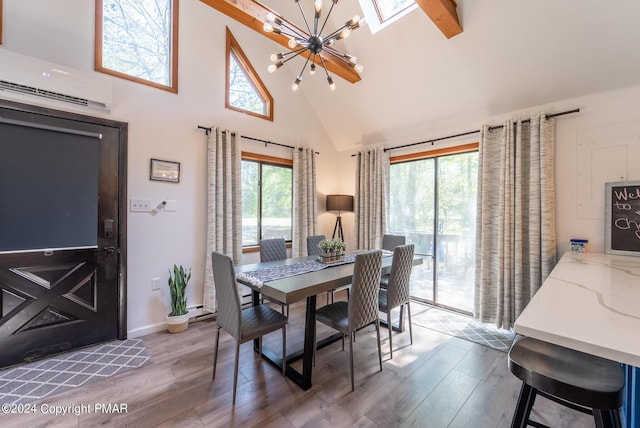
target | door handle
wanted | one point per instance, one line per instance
(109, 249)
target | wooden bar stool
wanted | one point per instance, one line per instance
(580, 381)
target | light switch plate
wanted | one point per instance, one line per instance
(140, 205)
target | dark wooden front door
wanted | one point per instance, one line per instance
(62, 231)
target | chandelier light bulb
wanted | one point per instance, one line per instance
(312, 69)
(353, 22)
(359, 69)
(271, 17)
(332, 85)
(274, 57)
(318, 6)
(344, 34)
(293, 43)
(268, 28)
(296, 84)
(273, 67)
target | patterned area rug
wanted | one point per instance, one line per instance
(466, 328)
(33, 381)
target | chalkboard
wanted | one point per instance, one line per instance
(622, 225)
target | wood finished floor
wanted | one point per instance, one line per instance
(439, 381)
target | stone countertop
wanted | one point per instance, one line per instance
(590, 302)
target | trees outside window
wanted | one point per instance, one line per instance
(138, 40)
(267, 198)
(433, 203)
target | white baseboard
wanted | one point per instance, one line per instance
(196, 313)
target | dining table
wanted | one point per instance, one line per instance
(590, 302)
(293, 280)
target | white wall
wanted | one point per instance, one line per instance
(164, 125)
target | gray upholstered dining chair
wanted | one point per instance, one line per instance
(272, 250)
(312, 244)
(389, 242)
(396, 294)
(243, 324)
(362, 308)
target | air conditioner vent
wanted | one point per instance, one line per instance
(30, 90)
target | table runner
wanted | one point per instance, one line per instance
(257, 278)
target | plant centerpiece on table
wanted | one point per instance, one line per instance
(332, 250)
(178, 318)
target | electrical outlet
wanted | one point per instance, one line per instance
(140, 205)
(155, 284)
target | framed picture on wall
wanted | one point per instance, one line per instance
(162, 170)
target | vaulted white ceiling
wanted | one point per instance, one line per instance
(511, 55)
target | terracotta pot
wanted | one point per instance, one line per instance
(177, 324)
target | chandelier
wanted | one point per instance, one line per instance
(313, 42)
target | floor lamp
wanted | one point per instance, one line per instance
(339, 203)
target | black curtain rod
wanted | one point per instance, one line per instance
(548, 116)
(208, 130)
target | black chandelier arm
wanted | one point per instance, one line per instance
(334, 36)
(327, 18)
(297, 51)
(303, 67)
(324, 66)
(294, 31)
(335, 55)
(303, 16)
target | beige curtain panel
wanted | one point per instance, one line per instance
(224, 204)
(372, 194)
(515, 240)
(304, 199)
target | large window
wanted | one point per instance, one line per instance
(267, 198)
(433, 203)
(138, 40)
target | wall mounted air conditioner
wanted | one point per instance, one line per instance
(29, 79)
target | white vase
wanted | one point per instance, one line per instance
(178, 323)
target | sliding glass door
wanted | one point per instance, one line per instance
(433, 203)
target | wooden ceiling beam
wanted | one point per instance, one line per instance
(444, 14)
(254, 15)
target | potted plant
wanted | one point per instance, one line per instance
(331, 250)
(325, 246)
(178, 318)
(339, 247)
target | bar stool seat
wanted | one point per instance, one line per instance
(574, 379)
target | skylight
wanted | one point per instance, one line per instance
(380, 13)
